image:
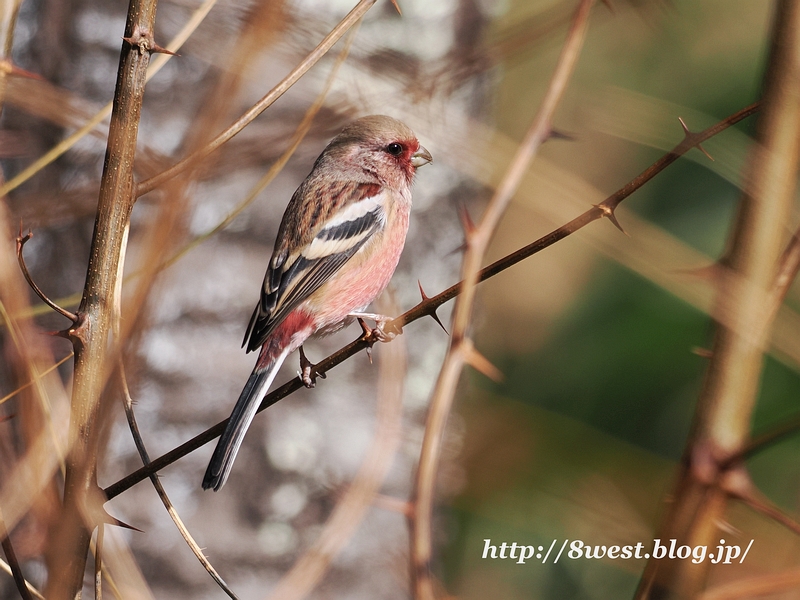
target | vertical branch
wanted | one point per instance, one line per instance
(461, 350)
(721, 425)
(91, 336)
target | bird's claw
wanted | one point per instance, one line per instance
(307, 374)
(379, 333)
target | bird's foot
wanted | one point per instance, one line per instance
(307, 374)
(381, 333)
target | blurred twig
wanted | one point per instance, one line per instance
(461, 349)
(353, 17)
(11, 556)
(36, 593)
(309, 569)
(298, 136)
(68, 142)
(759, 586)
(30, 383)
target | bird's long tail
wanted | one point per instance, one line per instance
(246, 406)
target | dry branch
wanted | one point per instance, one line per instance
(461, 350)
(69, 543)
(721, 426)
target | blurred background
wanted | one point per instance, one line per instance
(597, 337)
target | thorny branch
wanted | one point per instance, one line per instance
(461, 349)
(721, 425)
(428, 306)
(70, 538)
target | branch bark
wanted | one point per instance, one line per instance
(92, 343)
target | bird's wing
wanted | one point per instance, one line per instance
(294, 276)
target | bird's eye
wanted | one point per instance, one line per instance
(394, 149)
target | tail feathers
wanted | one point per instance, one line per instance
(243, 412)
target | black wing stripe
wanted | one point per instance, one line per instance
(352, 228)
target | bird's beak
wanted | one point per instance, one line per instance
(421, 157)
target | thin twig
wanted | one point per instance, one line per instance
(21, 240)
(428, 306)
(162, 494)
(36, 593)
(762, 441)
(11, 556)
(768, 509)
(353, 17)
(24, 386)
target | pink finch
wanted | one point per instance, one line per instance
(338, 245)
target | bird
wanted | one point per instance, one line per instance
(337, 246)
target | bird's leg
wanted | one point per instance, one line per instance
(379, 333)
(308, 378)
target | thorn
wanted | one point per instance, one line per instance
(703, 150)
(145, 42)
(8, 67)
(397, 505)
(63, 333)
(369, 353)
(608, 212)
(711, 272)
(480, 363)
(688, 135)
(422, 292)
(158, 49)
(702, 352)
(727, 527)
(435, 317)
(466, 221)
(397, 7)
(556, 134)
(109, 520)
(458, 250)
(364, 327)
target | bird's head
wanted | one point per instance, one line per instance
(382, 148)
